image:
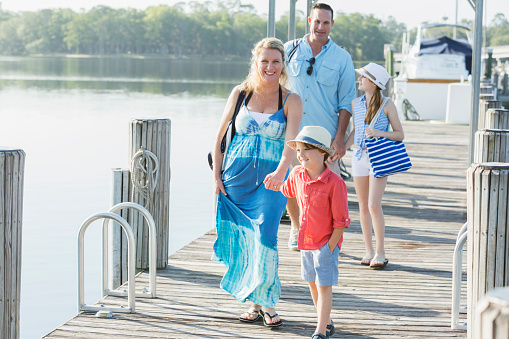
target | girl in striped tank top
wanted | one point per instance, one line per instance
(369, 189)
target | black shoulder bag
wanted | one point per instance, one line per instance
(230, 131)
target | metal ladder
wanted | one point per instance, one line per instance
(131, 250)
(151, 293)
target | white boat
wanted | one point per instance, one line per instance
(428, 67)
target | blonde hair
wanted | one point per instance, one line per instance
(253, 79)
(374, 105)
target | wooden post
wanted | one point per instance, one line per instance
(484, 105)
(12, 164)
(497, 118)
(389, 59)
(154, 136)
(492, 316)
(488, 233)
(117, 256)
(491, 145)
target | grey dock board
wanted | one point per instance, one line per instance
(424, 209)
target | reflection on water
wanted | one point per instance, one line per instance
(71, 117)
(148, 75)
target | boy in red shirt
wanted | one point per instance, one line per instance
(323, 203)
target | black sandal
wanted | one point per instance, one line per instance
(276, 324)
(251, 312)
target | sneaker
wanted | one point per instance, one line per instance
(293, 240)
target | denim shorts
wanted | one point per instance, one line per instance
(320, 266)
(361, 167)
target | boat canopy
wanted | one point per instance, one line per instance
(445, 45)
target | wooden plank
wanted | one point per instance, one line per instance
(21, 184)
(473, 235)
(424, 210)
(140, 200)
(8, 244)
(501, 229)
(11, 211)
(3, 268)
(126, 214)
(483, 235)
(15, 276)
(114, 234)
(166, 151)
(491, 230)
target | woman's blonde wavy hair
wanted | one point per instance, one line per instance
(253, 79)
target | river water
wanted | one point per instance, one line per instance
(71, 117)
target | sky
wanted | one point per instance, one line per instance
(410, 12)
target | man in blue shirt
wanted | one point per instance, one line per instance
(322, 73)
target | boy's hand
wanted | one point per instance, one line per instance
(332, 246)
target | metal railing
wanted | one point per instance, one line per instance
(151, 293)
(456, 280)
(81, 261)
(131, 255)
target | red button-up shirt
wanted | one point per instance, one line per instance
(323, 206)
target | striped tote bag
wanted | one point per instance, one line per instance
(386, 156)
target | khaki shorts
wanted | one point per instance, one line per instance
(334, 167)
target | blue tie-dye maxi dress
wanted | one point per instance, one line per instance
(248, 217)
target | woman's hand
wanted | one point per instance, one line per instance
(372, 132)
(219, 186)
(273, 181)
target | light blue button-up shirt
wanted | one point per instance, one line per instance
(330, 88)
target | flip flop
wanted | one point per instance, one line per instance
(366, 261)
(379, 266)
(276, 324)
(250, 313)
(330, 329)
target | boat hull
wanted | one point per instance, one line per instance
(427, 96)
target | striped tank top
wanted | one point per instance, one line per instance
(360, 110)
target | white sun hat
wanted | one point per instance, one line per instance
(313, 135)
(376, 73)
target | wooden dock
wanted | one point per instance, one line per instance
(410, 298)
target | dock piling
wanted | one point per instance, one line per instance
(488, 228)
(152, 135)
(12, 165)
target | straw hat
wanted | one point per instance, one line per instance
(376, 73)
(313, 135)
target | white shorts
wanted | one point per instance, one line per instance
(361, 167)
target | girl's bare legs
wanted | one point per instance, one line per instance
(376, 192)
(362, 190)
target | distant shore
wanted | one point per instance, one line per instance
(135, 56)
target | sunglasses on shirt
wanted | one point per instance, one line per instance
(311, 61)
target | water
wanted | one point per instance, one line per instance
(71, 117)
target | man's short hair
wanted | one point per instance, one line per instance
(323, 6)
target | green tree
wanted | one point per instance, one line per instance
(498, 32)
(11, 38)
(393, 32)
(162, 28)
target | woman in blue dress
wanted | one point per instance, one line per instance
(249, 205)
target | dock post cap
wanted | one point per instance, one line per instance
(9, 149)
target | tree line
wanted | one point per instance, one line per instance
(226, 28)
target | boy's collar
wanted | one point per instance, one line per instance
(324, 177)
